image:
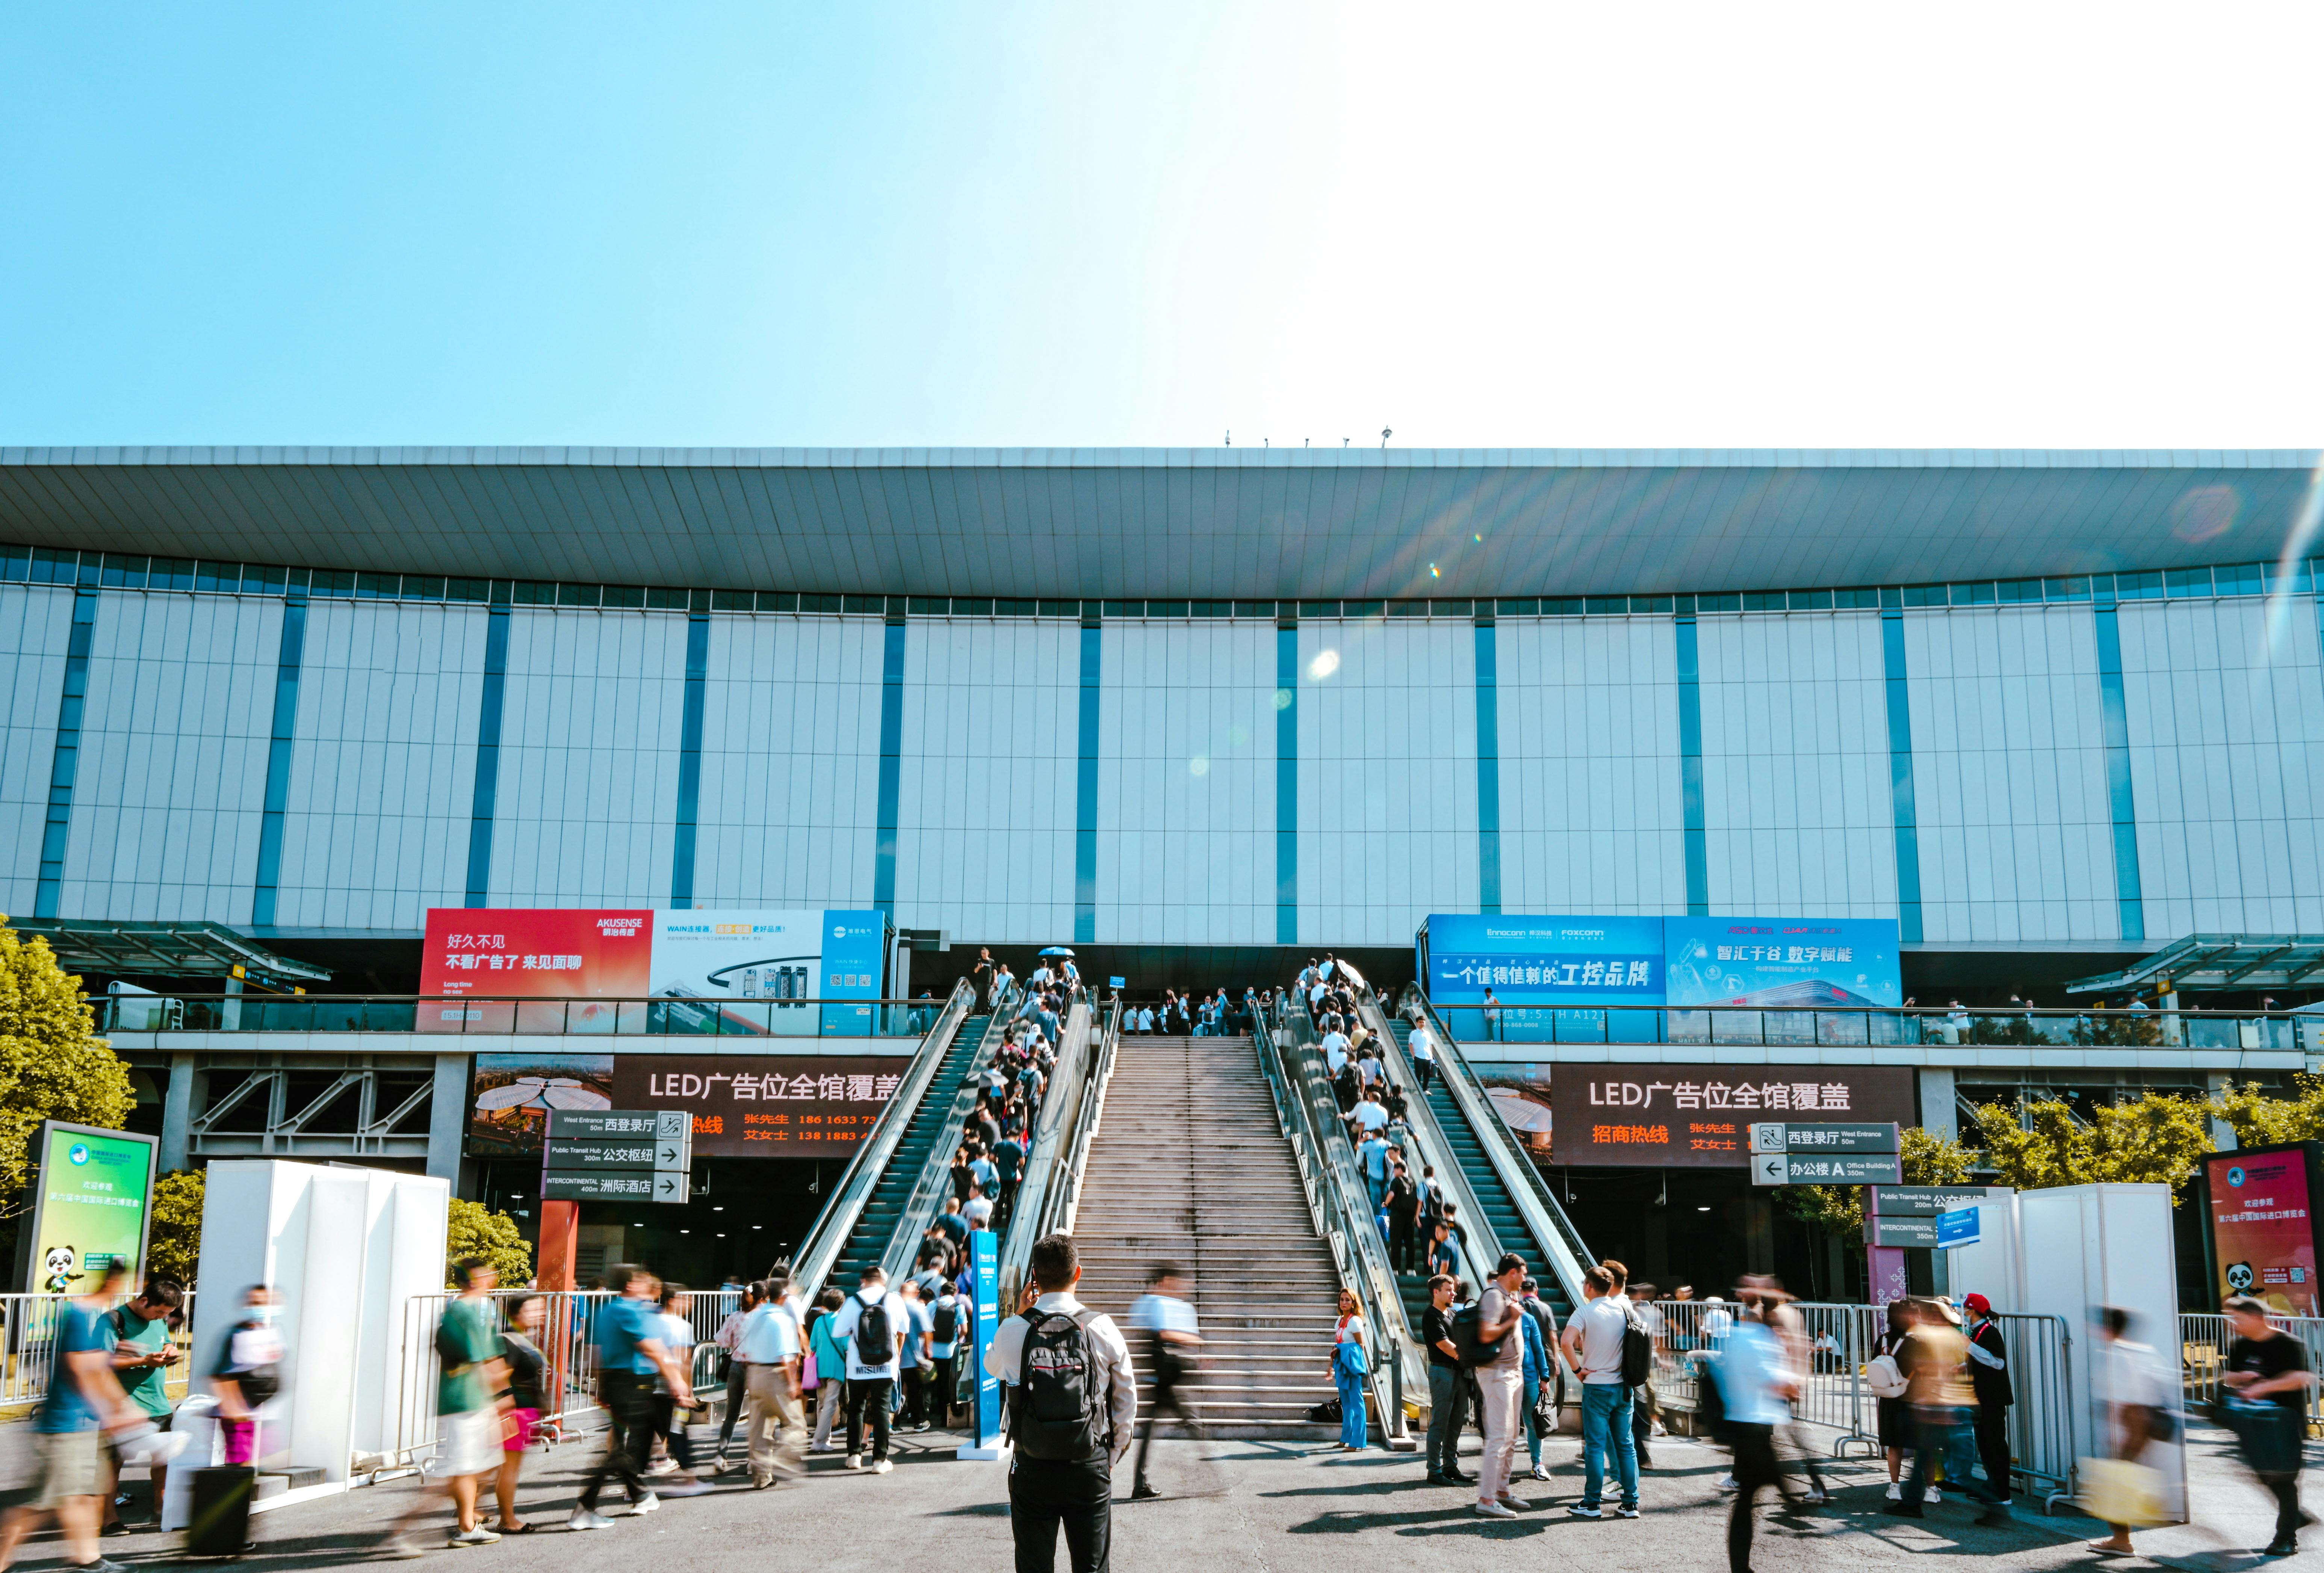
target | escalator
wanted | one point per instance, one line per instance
(931, 1123)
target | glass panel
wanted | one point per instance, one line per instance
(2021, 589)
(1762, 601)
(545, 1017)
(1363, 608)
(1927, 595)
(1810, 600)
(15, 563)
(1634, 1026)
(2243, 580)
(1125, 608)
(466, 589)
(1518, 608)
(2068, 589)
(2205, 1030)
(1790, 1026)
(169, 573)
(378, 587)
(588, 596)
(1243, 608)
(1650, 603)
(1580, 1026)
(768, 600)
(625, 595)
(1736, 1027)
(123, 572)
(1453, 608)
(1883, 1027)
(1319, 608)
(1606, 603)
(1842, 1027)
(729, 600)
(661, 599)
(1562, 607)
(52, 567)
(1074, 609)
(1719, 603)
(327, 582)
(1690, 1026)
(1856, 600)
(2138, 587)
(806, 603)
(1166, 608)
(1977, 595)
(870, 604)
(2188, 581)
(423, 586)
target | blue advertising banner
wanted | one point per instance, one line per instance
(985, 1258)
(1781, 963)
(855, 960)
(1545, 961)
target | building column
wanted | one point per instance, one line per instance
(177, 1115)
(1939, 1114)
(448, 1118)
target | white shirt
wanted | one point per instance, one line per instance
(769, 1335)
(1162, 1313)
(1335, 1050)
(978, 1211)
(1602, 1322)
(1005, 1355)
(1423, 1046)
(849, 1315)
(1369, 1114)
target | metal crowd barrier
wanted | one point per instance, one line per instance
(2203, 1341)
(1842, 1339)
(28, 1347)
(568, 1337)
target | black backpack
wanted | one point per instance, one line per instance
(1056, 1409)
(257, 1383)
(1638, 1349)
(872, 1333)
(947, 1321)
(1473, 1350)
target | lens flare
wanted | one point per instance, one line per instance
(1283, 698)
(1325, 663)
(1200, 765)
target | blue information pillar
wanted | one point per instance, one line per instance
(985, 1254)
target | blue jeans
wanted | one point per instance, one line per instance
(1353, 1432)
(1606, 1427)
(1945, 1433)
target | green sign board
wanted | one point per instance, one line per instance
(95, 1196)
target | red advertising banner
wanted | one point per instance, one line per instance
(1694, 1116)
(537, 952)
(772, 1106)
(2263, 1227)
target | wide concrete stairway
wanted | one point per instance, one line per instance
(1189, 1166)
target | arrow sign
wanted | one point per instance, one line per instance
(669, 1187)
(1770, 1168)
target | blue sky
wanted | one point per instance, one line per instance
(1048, 224)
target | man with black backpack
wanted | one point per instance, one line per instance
(1072, 1403)
(1611, 1352)
(873, 1325)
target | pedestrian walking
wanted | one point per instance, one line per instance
(1174, 1335)
(1989, 1379)
(248, 1374)
(1944, 1410)
(945, 1313)
(1884, 1378)
(873, 1324)
(729, 1330)
(674, 1402)
(137, 1335)
(471, 1391)
(1593, 1342)
(1500, 1382)
(1756, 1383)
(527, 1399)
(767, 1348)
(828, 1357)
(2268, 1378)
(1447, 1393)
(1763, 1294)
(1073, 1404)
(913, 1364)
(631, 1354)
(2139, 1412)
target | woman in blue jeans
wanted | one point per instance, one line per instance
(1351, 1365)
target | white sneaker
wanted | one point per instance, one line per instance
(662, 1467)
(1493, 1510)
(1934, 1497)
(647, 1504)
(855, 1461)
(1726, 1482)
(1518, 1502)
(882, 1467)
(583, 1518)
(1895, 1491)
(479, 1536)
(1537, 1473)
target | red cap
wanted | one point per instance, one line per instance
(1978, 1303)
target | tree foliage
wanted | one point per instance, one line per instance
(471, 1229)
(2259, 1120)
(52, 1064)
(173, 1246)
(1926, 1159)
(2156, 1139)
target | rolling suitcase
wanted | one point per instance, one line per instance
(220, 1526)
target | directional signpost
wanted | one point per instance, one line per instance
(1796, 1153)
(1925, 1217)
(618, 1155)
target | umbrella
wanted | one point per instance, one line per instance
(1056, 951)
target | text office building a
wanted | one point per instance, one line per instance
(1198, 713)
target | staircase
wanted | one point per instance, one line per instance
(931, 1122)
(1501, 1213)
(1190, 1166)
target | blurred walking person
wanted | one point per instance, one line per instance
(830, 1357)
(1944, 1409)
(2267, 1371)
(471, 1391)
(528, 1401)
(1173, 1335)
(83, 1400)
(631, 1354)
(2137, 1389)
(1756, 1383)
(767, 1348)
(729, 1330)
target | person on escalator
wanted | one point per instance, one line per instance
(1403, 1207)
(1009, 1158)
(1372, 1157)
(1422, 1049)
(1335, 1049)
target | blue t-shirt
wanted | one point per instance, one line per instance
(79, 1331)
(620, 1326)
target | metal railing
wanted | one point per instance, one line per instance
(837, 1221)
(1309, 1119)
(1049, 1197)
(2184, 1027)
(1842, 1339)
(1545, 1218)
(567, 1338)
(2204, 1338)
(596, 1017)
(28, 1347)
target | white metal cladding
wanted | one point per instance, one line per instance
(172, 768)
(1185, 857)
(588, 799)
(1797, 811)
(2226, 730)
(2010, 775)
(985, 804)
(1592, 818)
(1218, 522)
(791, 763)
(1387, 777)
(35, 623)
(384, 773)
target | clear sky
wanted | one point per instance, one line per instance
(1049, 223)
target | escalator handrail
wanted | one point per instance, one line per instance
(856, 1181)
(1058, 1146)
(925, 1198)
(1328, 1174)
(1061, 1209)
(1569, 1257)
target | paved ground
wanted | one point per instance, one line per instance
(1271, 1509)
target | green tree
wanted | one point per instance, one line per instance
(474, 1230)
(173, 1245)
(1926, 1159)
(52, 1064)
(2260, 1120)
(2158, 1138)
